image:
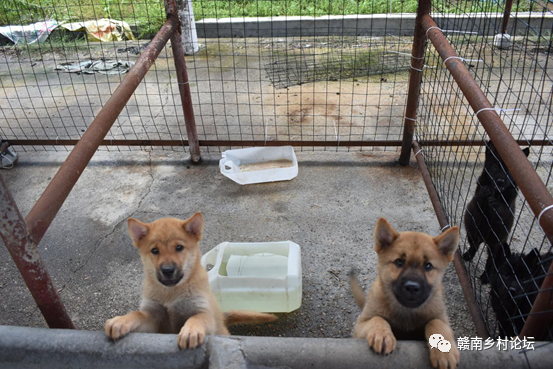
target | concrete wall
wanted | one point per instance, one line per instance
(360, 25)
(22, 347)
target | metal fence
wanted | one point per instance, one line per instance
(316, 80)
(49, 94)
(511, 253)
(321, 74)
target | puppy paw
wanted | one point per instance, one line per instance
(191, 336)
(445, 360)
(119, 326)
(382, 341)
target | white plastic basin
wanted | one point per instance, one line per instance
(259, 164)
(263, 277)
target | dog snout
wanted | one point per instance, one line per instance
(411, 291)
(167, 270)
(169, 274)
(412, 287)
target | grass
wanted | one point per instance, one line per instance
(149, 15)
(264, 8)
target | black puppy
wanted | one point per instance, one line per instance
(489, 215)
(514, 287)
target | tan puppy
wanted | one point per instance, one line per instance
(406, 300)
(176, 296)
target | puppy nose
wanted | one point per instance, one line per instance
(167, 270)
(412, 287)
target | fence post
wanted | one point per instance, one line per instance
(184, 86)
(24, 252)
(503, 40)
(460, 269)
(506, 16)
(189, 37)
(415, 77)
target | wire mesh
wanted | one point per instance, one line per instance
(511, 254)
(41, 102)
(281, 77)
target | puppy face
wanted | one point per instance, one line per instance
(168, 247)
(411, 264)
(495, 169)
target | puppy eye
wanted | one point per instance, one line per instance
(399, 263)
(428, 266)
(155, 251)
(180, 247)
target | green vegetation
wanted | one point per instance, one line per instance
(264, 8)
(149, 15)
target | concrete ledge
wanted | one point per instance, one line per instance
(22, 347)
(402, 24)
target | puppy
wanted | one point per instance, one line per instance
(490, 214)
(406, 300)
(514, 287)
(176, 296)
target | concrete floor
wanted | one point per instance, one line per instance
(330, 210)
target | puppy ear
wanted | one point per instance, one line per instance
(491, 151)
(137, 229)
(448, 242)
(195, 225)
(526, 151)
(384, 235)
(531, 260)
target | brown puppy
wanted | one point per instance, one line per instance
(176, 296)
(406, 300)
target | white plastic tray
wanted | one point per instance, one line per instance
(233, 159)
